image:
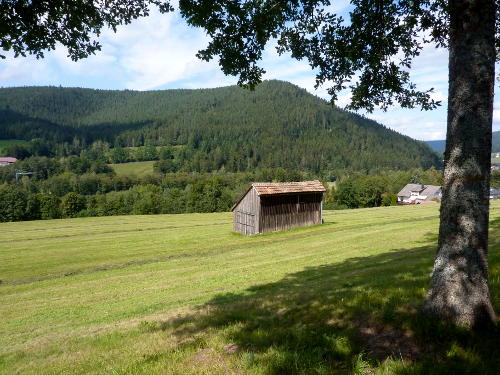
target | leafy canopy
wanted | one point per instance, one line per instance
(30, 27)
(370, 54)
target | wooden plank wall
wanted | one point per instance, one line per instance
(246, 214)
(289, 211)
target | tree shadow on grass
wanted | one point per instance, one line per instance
(358, 316)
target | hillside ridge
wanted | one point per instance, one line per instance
(277, 125)
(439, 145)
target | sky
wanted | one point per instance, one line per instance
(159, 52)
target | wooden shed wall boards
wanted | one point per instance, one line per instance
(269, 207)
(246, 213)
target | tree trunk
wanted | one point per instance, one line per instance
(459, 290)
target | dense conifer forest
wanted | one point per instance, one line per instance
(207, 145)
(230, 128)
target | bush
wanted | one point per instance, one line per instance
(174, 201)
(165, 166)
(33, 207)
(58, 185)
(389, 199)
(50, 206)
(119, 155)
(18, 151)
(13, 203)
(148, 200)
(347, 194)
(72, 204)
(208, 196)
(363, 191)
(495, 179)
(87, 184)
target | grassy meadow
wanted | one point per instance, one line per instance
(4, 143)
(182, 294)
(135, 168)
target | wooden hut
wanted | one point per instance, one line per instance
(269, 207)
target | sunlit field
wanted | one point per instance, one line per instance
(182, 294)
(136, 168)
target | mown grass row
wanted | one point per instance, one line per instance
(182, 294)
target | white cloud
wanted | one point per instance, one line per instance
(25, 71)
(149, 53)
(344, 99)
(159, 50)
(92, 66)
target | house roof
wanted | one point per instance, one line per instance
(8, 160)
(275, 188)
(272, 188)
(423, 190)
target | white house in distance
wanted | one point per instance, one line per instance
(494, 193)
(7, 161)
(419, 193)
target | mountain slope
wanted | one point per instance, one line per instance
(277, 125)
(439, 146)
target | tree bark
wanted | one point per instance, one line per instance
(459, 289)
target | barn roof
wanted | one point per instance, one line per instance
(8, 160)
(272, 188)
(275, 188)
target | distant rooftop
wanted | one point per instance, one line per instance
(424, 190)
(8, 160)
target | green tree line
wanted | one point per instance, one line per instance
(80, 186)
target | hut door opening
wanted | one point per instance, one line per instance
(246, 222)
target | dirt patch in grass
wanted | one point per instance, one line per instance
(382, 341)
(208, 361)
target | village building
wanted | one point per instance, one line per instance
(269, 207)
(7, 161)
(419, 193)
(494, 193)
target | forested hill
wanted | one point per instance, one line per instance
(277, 125)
